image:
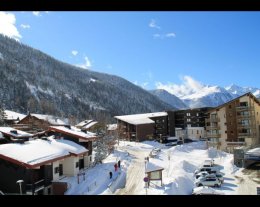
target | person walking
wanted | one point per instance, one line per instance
(110, 174)
(118, 163)
(115, 167)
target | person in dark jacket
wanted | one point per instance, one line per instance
(110, 174)
(115, 167)
(118, 163)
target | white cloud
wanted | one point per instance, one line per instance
(74, 52)
(25, 26)
(153, 24)
(142, 85)
(7, 25)
(162, 36)
(172, 34)
(36, 13)
(86, 65)
(188, 86)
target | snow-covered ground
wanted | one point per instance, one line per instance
(179, 163)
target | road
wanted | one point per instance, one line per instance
(135, 173)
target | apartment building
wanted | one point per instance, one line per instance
(235, 123)
(140, 127)
(190, 123)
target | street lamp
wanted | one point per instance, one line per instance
(20, 185)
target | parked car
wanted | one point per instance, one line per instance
(171, 141)
(154, 152)
(188, 140)
(210, 170)
(205, 190)
(220, 177)
(201, 174)
(208, 181)
(208, 163)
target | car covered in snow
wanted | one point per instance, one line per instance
(201, 174)
(210, 170)
(211, 181)
(206, 190)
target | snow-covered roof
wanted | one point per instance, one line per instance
(87, 126)
(205, 190)
(32, 153)
(111, 127)
(11, 115)
(73, 131)
(83, 123)
(9, 131)
(68, 145)
(151, 167)
(50, 118)
(137, 119)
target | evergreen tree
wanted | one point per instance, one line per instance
(2, 116)
(103, 147)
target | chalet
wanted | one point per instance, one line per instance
(12, 117)
(34, 123)
(91, 126)
(139, 127)
(13, 135)
(76, 135)
(112, 129)
(38, 163)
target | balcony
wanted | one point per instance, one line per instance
(213, 135)
(35, 187)
(212, 119)
(212, 128)
(244, 116)
(244, 108)
(244, 126)
(244, 134)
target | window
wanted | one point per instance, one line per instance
(230, 106)
(225, 132)
(243, 104)
(197, 114)
(197, 131)
(188, 125)
(188, 114)
(77, 164)
(56, 170)
(188, 120)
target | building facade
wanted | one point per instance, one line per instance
(140, 127)
(235, 123)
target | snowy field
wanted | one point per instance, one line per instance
(179, 163)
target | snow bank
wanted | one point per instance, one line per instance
(119, 182)
(181, 186)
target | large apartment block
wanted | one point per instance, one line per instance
(190, 123)
(191, 117)
(139, 127)
(235, 123)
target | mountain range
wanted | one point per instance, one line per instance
(32, 81)
(207, 96)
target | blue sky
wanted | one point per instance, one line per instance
(148, 48)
